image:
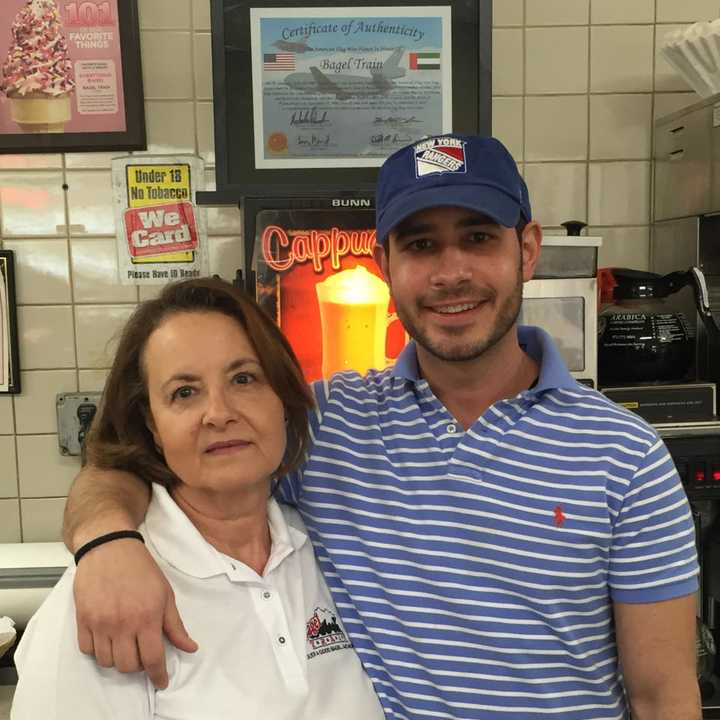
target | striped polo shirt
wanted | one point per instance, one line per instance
(475, 570)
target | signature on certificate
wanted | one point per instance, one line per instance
(314, 140)
(390, 139)
(394, 120)
(311, 116)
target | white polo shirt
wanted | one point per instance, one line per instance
(271, 647)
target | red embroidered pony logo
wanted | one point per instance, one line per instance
(559, 517)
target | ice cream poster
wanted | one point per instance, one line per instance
(60, 67)
(317, 277)
(161, 233)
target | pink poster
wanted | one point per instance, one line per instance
(60, 67)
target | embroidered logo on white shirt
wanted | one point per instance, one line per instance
(324, 633)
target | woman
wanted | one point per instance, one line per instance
(207, 402)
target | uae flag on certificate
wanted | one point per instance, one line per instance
(279, 61)
(424, 61)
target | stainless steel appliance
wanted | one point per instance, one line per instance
(685, 233)
(695, 449)
(562, 299)
(686, 214)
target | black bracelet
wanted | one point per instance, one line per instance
(117, 535)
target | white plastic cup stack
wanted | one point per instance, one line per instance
(695, 54)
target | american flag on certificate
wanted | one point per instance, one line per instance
(279, 61)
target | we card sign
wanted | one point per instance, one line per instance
(161, 229)
(161, 233)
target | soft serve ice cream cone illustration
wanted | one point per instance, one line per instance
(37, 75)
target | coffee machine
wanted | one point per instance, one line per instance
(686, 232)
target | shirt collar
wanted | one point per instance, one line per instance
(180, 543)
(533, 340)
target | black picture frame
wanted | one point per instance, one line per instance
(236, 174)
(134, 136)
(7, 270)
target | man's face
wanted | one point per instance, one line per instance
(456, 278)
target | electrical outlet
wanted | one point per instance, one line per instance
(75, 412)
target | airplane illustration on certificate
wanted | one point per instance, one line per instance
(343, 86)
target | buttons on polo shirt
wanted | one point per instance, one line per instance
(451, 428)
(267, 595)
(281, 640)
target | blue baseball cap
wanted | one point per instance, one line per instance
(477, 173)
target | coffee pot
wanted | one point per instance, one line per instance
(642, 336)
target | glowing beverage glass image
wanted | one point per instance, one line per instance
(354, 320)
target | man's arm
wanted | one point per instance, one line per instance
(101, 501)
(123, 601)
(656, 646)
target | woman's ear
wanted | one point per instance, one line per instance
(150, 424)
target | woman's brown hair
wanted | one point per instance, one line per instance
(119, 437)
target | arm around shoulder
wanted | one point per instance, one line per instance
(102, 501)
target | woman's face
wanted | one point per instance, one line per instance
(216, 419)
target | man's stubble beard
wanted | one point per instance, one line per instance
(506, 318)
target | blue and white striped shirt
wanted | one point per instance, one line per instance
(475, 571)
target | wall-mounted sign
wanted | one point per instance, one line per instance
(309, 98)
(316, 276)
(348, 86)
(161, 233)
(69, 75)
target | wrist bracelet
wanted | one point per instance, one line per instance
(117, 535)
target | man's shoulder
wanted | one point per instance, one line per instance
(351, 386)
(578, 404)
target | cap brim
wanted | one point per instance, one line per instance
(485, 199)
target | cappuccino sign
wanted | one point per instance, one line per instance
(161, 232)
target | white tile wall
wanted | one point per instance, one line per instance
(621, 58)
(556, 60)
(35, 407)
(8, 468)
(622, 11)
(167, 64)
(42, 470)
(46, 337)
(43, 275)
(558, 191)
(508, 12)
(620, 127)
(10, 521)
(508, 123)
(619, 193)
(557, 12)
(41, 519)
(507, 48)
(556, 127)
(575, 87)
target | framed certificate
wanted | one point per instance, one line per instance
(311, 98)
(70, 76)
(9, 363)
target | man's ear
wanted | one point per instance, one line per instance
(381, 258)
(530, 243)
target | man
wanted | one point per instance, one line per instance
(497, 537)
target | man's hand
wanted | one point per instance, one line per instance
(124, 604)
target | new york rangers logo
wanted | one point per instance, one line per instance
(440, 155)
